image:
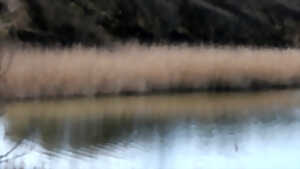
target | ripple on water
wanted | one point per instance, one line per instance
(211, 131)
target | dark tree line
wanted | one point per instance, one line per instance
(251, 22)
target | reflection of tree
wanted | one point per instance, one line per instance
(102, 131)
(78, 133)
(10, 154)
(108, 130)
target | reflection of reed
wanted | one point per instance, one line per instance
(203, 105)
(85, 123)
(2, 110)
(89, 133)
(132, 68)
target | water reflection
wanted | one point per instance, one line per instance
(225, 130)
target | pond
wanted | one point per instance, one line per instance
(229, 130)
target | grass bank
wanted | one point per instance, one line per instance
(131, 68)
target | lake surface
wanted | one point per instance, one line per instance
(250, 130)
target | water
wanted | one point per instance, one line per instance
(191, 131)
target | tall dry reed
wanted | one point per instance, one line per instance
(36, 72)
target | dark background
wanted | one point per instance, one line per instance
(102, 22)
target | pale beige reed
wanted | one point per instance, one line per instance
(36, 72)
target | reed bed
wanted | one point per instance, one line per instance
(79, 71)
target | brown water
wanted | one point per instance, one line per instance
(191, 131)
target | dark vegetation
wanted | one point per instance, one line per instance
(100, 22)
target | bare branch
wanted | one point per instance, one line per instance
(11, 150)
(12, 158)
(6, 157)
